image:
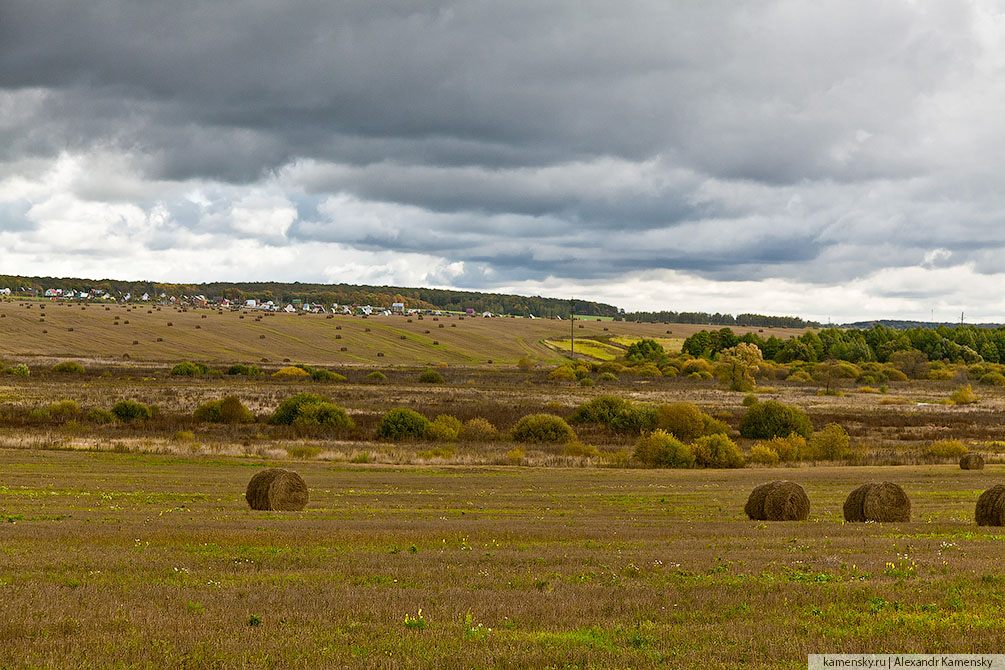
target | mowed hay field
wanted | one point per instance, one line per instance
(135, 560)
(107, 332)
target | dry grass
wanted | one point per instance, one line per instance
(138, 560)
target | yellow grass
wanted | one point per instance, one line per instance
(592, 348)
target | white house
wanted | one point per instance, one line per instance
(398, 308)
(5, 291)
(289, 309)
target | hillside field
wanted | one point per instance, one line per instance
(162, 334)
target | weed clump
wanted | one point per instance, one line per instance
(97, 415)
(401, 423)
(766, 420)
(683, 419)
(660, 449)
(542, 428)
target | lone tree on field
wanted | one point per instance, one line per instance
(737, 366)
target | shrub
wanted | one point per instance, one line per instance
(647, 370)
(130, 410)
(586, 381)
(542, 428)
(713, 426)
(964, 395)
(831, 443)
(479, 429)
(187, 369)
(602, 409)
(444, 428)
(68, 367)
(946, 449)
(763, 455)
(321, 375)
(241, 369)
(697, 366)
(940, 375)
(993, 379)
(64, 409)
(683, 419)
(431, 377)
(660, 449)
(749, 399)
(312, 410)
(401, 423)
(20, 370)
(577, 448)
(38, 415)
(226, 410)
(322, 414)
(894, 375)
(716, 451)
(99, 416)
(635, 419)
(607, 377)
(290, 372)
(800, 376)
(515, 456)
(769, 419)
(791, 448)
(376, 376)
(525, 364)
(563, 373)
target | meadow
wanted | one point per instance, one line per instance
(129, 544)
(143, 560)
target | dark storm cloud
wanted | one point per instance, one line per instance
(813, 142)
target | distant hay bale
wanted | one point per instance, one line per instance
(277, 489)
(778, 501)
(972, 462)
(991, 507)
(877, 501)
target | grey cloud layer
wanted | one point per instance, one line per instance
(810, 141)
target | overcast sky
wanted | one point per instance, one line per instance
(838, 159)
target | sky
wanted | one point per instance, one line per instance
(837, 160)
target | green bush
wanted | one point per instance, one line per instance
(766, 420)
(321, 375)
(682, 419)
(763, 454)
(790, 449)
(716, 451)
(431, 377)
(563, 373)
(291, 372)
(601, 410)
(226, 410)
(68, 367)
(322, 414)
(831, 443)
(636, 419)
(310, 410)
(401, 423)
(607, 377)
(444, 428)
(130, 410)
(749, 399)
(188, 369)
(20, 370)
(240, 369)
(713, 426)
(660, 449)
(376, 376)
(964, 395)
(586, 382)
(542, 428)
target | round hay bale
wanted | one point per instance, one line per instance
(853, 504)
(257, 493)
(972, 462)
(755, 502)
(288, 492)
(886, 501)
(786, 501)
(991, 507)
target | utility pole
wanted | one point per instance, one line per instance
(572, 327)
